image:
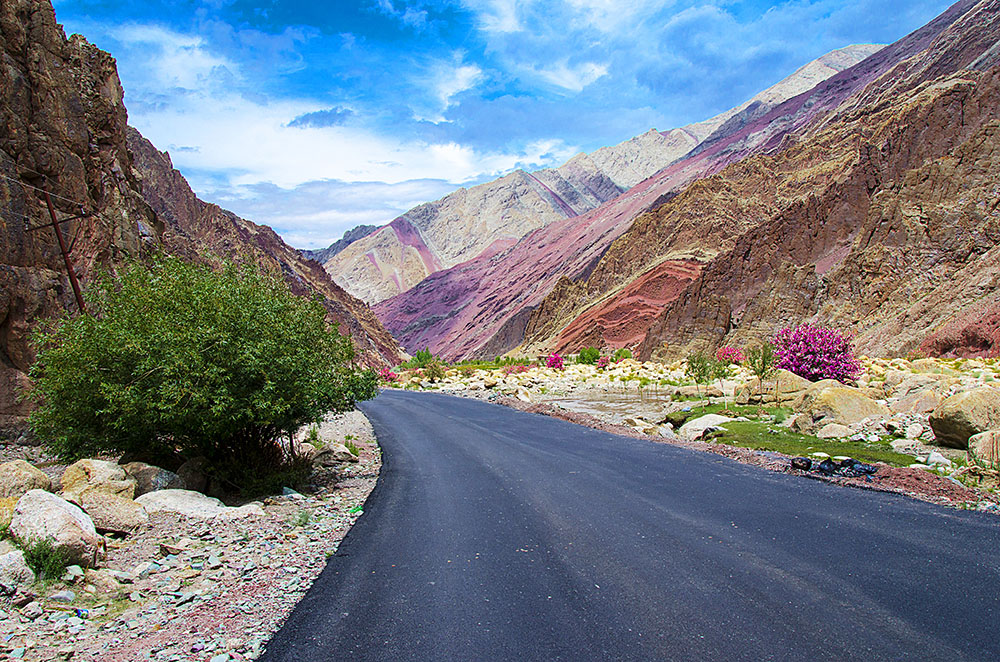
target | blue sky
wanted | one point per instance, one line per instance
(315, 116)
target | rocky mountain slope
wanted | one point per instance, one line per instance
(582, 282)
(321, 255)
(63, 126)
(490, 217)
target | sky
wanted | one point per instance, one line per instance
(314, 116)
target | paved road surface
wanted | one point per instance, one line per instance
(498, 535)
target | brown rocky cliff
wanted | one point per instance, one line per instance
(63, 126)
(194, 227)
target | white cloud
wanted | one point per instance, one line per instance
(173, 59)
(572, 78)
(447, 80)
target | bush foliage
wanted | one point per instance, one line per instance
(588, 355)
(182, 360)
(816, 353)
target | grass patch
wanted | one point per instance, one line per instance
(756, 435)
(302, 518)
(353, 447)
(47, 561)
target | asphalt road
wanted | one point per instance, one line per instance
(498, 535)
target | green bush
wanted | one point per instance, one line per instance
(179, 360)
(421, 359)
(623, 353)
(434, 371)
(47, 561)
(588, 355)
(352, 447)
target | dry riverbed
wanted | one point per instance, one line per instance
(195, 589)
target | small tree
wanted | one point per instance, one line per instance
(760, 360)
(588, 356)
(700, 367)
(622, 354)
(180, 361)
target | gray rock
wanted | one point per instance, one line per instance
(333, 454)
(41, 515)
(696, 428)
(149, 478)
(935, 458)
(984, 449)
(63, 596)
(914, 430)
(14, 572)
(195, 504)
(194, 474)
(32, 610)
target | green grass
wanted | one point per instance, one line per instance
(47, 561)
(351, 446)
(302, 518)
(756, 435)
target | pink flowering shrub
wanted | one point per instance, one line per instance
(816, 353)
(554, 361)
(729, 355)
(603, 362)
(515, 369)
(387, 375)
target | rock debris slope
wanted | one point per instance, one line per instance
(766, 225)
(490, 217)
(63, 126)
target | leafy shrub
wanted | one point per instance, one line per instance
(312, 437)
(181, 360)
(421, 359)
(816, 353)
(434, 371)
(730, 355)
(588, 356)
(388, 376)
(699, 367)
(622, 354)
(46, 560)
(353, 447)
(554, 361)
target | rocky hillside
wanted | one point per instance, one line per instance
(63, 126)
(582, 282)
(490, 217)
(323, 254)
(193, 227)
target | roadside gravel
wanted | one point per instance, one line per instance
(194, 589)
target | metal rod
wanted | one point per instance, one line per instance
(65, 253)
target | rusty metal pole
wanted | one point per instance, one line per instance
(65, 253)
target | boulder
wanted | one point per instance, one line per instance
(783, 387)
(913, 384)
(14, 572)
(194, 474)
(834, 431)
(41, 515)
(841, 404)
(97, 474)
(149, 478)
(965, 414)
(984, 449)
(18, 477)
(917, 402)
(700, 391)
(696, 427)
(113, 513)
(194, 504)
(333, 454)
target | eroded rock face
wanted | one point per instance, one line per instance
(984, 449)
(965, 414)
(41, 515)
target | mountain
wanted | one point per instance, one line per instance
(323, 254)
(490, 217)
(63, 128)
(654, 265)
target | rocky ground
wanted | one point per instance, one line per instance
(193, 588)
(904, 410)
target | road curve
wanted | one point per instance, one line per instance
(498, 535)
